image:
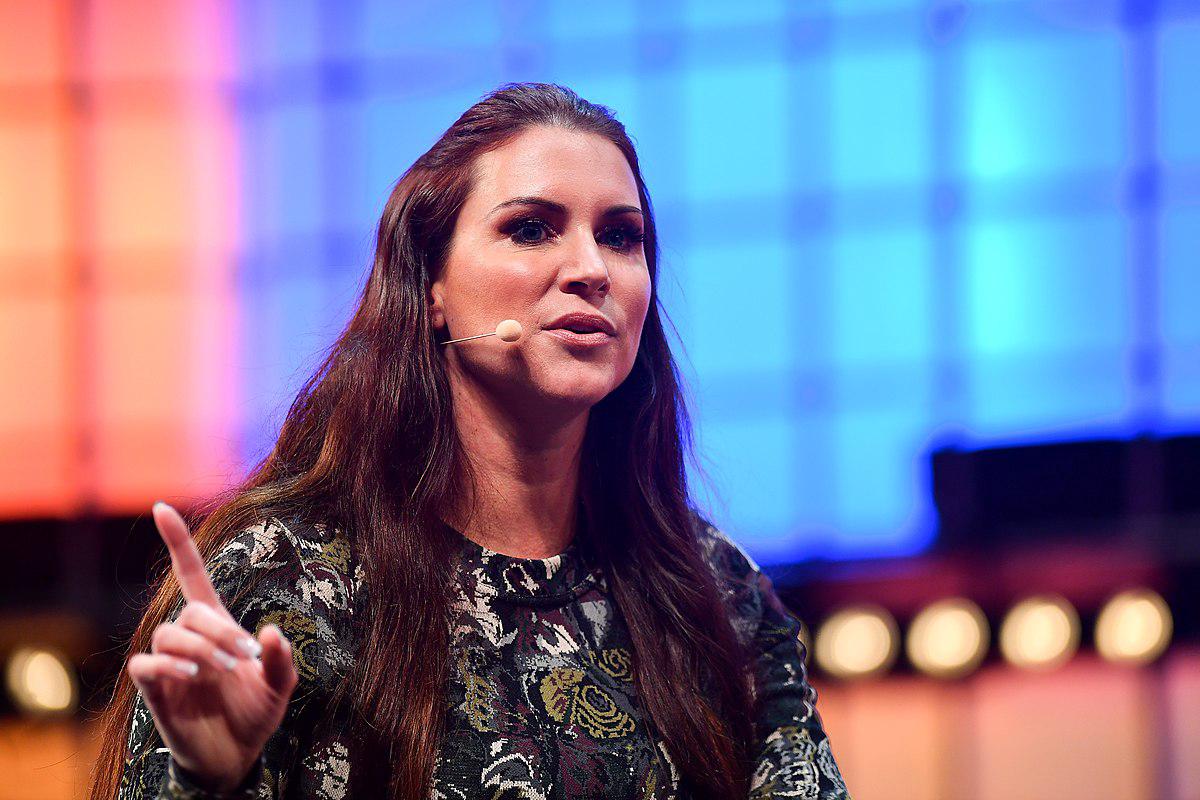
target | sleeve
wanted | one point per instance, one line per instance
(794, 757)
(303, 586)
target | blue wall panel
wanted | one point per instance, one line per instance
(880, 219)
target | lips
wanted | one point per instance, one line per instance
(583, 323)
(586, 341)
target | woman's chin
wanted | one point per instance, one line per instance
(576, 387)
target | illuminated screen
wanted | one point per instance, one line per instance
(884, 225)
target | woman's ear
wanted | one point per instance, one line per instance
(437, 313)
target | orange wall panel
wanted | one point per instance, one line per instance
(142, 191)
(163, 399)
(37, 444)
(46, 760)
(118, 228)
(141, 369)
(1181, 705)
(893, 739)
(1089, 730)
(34, 210)
(1082, 732)
(33, 41)
(184, 40)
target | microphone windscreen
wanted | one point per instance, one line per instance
(509, 330)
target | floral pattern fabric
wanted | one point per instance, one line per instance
(541, 699)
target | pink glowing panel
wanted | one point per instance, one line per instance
(142, 192)
(161, 420)
(187, 40)
(33, 42)
(167, 226)
(1181, 707)
(893, 738)
(35, 203)
(37, 426)
(116, 255)
(1080, 732)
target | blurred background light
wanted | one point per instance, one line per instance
(1040, 633)
(858, 642)
(948, 639)
(41, 682)
(1134, 627)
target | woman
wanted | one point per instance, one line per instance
(473, 568)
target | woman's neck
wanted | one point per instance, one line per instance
(527, 480)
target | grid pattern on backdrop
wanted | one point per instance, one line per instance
(118, 226)
(885, 224)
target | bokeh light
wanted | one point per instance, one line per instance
(1134, 627)
(1040, 633)
(857, 642)
(41, 681)
(948, 639)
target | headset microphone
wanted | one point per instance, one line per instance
(508, 330)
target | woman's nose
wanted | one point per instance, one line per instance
(587, 271)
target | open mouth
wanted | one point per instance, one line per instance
(583, 323)
(579, 335)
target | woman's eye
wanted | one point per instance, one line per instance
(535, 231)
(526, 228)
(625, 238)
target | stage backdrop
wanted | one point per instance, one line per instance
(885, 225)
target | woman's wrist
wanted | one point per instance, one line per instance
(189, 785)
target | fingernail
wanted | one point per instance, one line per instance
(224, 659)
(250, 647)
(188, 668)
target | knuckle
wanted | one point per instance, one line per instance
(235, 631)
(142, 669)
(205, 613)
(161, 635)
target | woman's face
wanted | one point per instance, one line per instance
(551, 226)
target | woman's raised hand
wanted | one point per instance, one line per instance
(214, 701)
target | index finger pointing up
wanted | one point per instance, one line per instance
(186, 562)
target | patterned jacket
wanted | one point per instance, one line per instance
(542, 702)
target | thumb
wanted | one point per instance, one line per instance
(279, 671)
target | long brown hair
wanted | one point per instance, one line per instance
(370, 445)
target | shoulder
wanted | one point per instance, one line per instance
(758, 615)
(745, 588)
(301, 576)
(313, 559)
(724, 555)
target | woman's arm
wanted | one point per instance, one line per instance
(300, 579)
(310, 765)
(153, 773)
(794, 757)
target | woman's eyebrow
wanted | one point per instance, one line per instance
(559, 208)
